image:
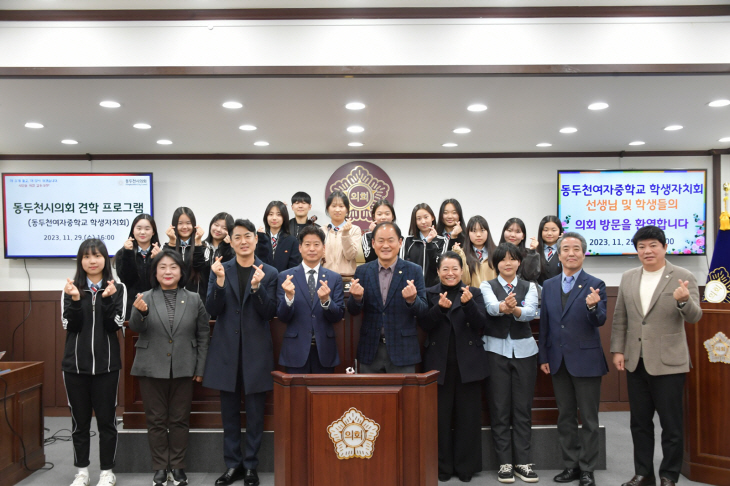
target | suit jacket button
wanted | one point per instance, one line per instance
(236, 331)
(312, 316)
(433, 343)
(170, 341)
(467, 324)
(238, 312)
(639, 339)
(562, 327)
(383, 313)
(168, 354)
(469, 343)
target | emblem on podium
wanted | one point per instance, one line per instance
(718, 348)
(353, 435)
(716, 288)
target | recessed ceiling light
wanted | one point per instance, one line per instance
(68, 141)
(33, 125)
(355, 129)
(638, 142)
(142, 126)
(477, 107)
(355, 105)
(462, 130)
(449, 144)
(247, 128)
(261, 143)
(724, 139)
(232, 105)
(672, 128)
(165, 142)
(598, 106)
(568, 130)
(109, 104)
(719, 103)
(544, 144)
(355, 144)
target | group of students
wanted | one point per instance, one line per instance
(175, 280)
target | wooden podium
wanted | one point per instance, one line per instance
(707, 402)
(355, 429)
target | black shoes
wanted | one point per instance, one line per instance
(251, 477)
(160, 478)
(178, 477)
(231, 475)
(464, 478)
(641, 481)
(586, 479)
(443, 477)
(568, 475)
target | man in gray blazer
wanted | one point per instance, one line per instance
(648, 341)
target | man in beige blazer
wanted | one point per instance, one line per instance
(648, 340)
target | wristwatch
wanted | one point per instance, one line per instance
(681, 304)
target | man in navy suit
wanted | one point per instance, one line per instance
(391, 295)
(242, 293)
(310, 301)
(573, 308)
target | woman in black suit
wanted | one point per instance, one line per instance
(454, 322)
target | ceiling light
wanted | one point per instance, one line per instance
(33, 125)
(724, 139)
(598, 106)
(247, 128)
(142, 126)
(164, 142)
(261, 143)
(638, 142)
(449, 144)
(355, 129)
(672, 128)
(68, 141)
(462, 130)
(568, 130)
(355, 105)
(544, 144)
(232, 105)
(355, 144)
(719, 103)
(477, 107)
(109, 104)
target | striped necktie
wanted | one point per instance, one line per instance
(550, 253)
(509, 288)
(480, 254)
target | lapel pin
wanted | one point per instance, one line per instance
(400, 271)
(667, 276)
(580, 286)
(182, 301)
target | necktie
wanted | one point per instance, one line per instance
(274, 241)
(509, 288)
(94, 288)
(550, 253)
(336, 228)
(310, 284)
(568, 284)
(447, 236)
(143, 253)
(480, 254)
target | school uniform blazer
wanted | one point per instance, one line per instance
(552, 268)
(659, 334)
(468, 322)
(398, 318)
(241, 326)
(287, 253)
(306, 316)
(484, 272)
(159, 349)
(570, 333)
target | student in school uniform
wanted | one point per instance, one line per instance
(451, 218)
(342, 238)
(512, 356)
(381, 212)
(186, 237)
(216, 244)
(301, 205)
(424, 245)
(514, 232)
(282, 246)
(546, 245)
(93, 311)
(478, 247)
(132, 261)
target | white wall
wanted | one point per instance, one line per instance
(243, 188)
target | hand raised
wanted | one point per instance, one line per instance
(226, 238)
(593, 298)
(444, 302)
(323, 292)
(431, 234)
(681, 293)
(457, 246)
(170, 232)
(129, 244)
(289, 288)
(466, 294)
(372, 226)
(356, 290)
(261, 229)
(71, 289)
(154, 250)
(199, 232)
(258, 276)
(457, 230)
(348, 225)
(217, 268)
(533, 243)
(110, 289)
(409, 292)
(140, 304)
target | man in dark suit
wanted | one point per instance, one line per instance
(242, 293)
(573, 308)
(310, 301)
(391, 294)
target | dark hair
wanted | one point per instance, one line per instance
(301, 197)
(91, 246)
(471, 257)
(193, 274)
(501, 252)
(154, 238)
(441, 227)
(382, 202)
(450, 254)
(177, 258)
(229, 225)
(284, 216)
(380, 226)
(310, 229)
(519, 223)
(244, 223)
(541, 242)
(649, 233)
(413, 230)
(332, 197)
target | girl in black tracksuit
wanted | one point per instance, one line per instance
(186, 237)
(132, 261)
(424, 245)
(93, 310)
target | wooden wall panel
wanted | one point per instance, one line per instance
(40, 344)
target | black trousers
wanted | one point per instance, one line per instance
(97, 394)
(662, 394)
(312, 365)
(511, 390)
(579, 446)
(167, 403)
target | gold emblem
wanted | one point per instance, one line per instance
(718, 348)
(362, 189)
(353, 435)
(718, 283)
